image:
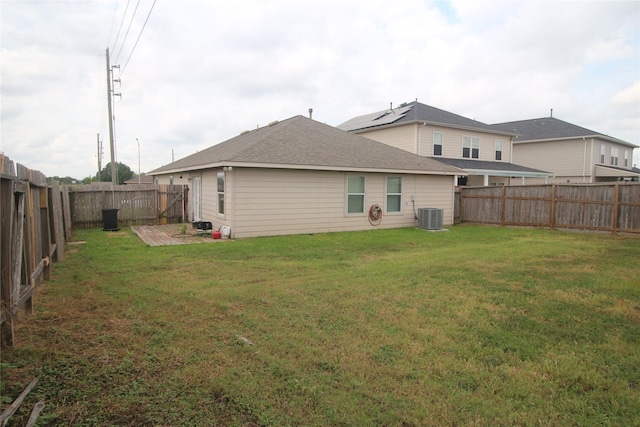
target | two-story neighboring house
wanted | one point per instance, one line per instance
(574, 154)
(481, 150)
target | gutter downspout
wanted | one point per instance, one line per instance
(418, 138)
(511, 157)
(592, 171)
(584, 160)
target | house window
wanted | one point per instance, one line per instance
(221, 193)
(394, 194)
(626, 158)
(614, 156)
(437, 143)
(498, 149)
(470, 147)
(602, 151)
(355, 194)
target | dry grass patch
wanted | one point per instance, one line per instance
(478, 326)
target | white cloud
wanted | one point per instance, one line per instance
(204, 71)
(628, 96)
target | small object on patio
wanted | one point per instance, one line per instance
(202, 225)
(215, 234)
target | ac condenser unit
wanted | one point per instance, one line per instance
(430, 218)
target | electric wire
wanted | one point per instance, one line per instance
(127, 33)
(115, 42)
(113, 21)
(138, 39)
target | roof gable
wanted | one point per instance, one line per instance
(548, 128)
(414, 112)
(305, 143)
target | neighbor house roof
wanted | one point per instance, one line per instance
(303, 143)
(494, 168)
(549, 128)
(144, 179)
(414, 112)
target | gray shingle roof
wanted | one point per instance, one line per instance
(548, 128)
(489, 165)
(412, 112)
(305, 143)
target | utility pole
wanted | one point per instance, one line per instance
(99, 158)
(112, 145)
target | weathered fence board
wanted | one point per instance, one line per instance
(27, 225)
(612, 207)
(136, 204)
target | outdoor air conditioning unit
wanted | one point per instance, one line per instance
(430, 218)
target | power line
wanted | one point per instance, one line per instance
(138, 39)
(115, 42)
(113, 21)
(128, 28)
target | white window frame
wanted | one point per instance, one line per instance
(348, 195)
(499, 145)
(435, 144)
(388, 194)
(626, 158)
(603, 151)
(220, 198)
(471, 143)
(614, 156)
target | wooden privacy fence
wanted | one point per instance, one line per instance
(135, 204)
(611, 207)
(34, 226)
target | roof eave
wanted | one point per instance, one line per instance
(606, 138)
(495, 172)
(431, 123)
(452, 172)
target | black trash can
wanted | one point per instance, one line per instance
(110, 219)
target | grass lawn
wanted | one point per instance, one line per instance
(478, 326)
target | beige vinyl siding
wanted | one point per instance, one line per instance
(597, 143)
(452, 143)
(276, 202)
(568, 159)
(452, 147)
(419, 139)
(403, 137)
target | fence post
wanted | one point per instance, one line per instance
(616, 206)
(461, 205)
(552, 218)
(504, 205)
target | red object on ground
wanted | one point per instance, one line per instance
(215, 234)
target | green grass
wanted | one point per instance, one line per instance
(478, 326)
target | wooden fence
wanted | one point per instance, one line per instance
(611, 207)
(135, 204)
(34, 227)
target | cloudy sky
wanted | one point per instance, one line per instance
(204, 71)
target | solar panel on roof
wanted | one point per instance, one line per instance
(375, 119)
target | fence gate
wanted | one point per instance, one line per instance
(171, 202)
(136, 204)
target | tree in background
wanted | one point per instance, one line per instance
(123, 173)
(67, 180)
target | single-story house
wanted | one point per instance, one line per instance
(300, 176)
